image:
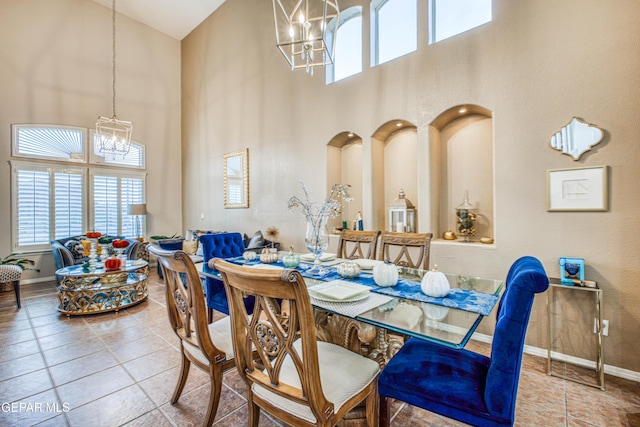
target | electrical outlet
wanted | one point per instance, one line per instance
(605, 327)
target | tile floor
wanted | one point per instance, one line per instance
(120, 369)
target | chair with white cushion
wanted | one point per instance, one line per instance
(208, 346)
(297, 379)
(12, 274)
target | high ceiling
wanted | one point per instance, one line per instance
(176, 18)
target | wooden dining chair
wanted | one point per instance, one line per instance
(351, 243)
(206, 345)
(399, 247)
(297, 379)
(463, 385)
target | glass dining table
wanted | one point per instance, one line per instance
(401, 311)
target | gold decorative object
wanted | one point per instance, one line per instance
(99, 291)
(449, 235)
(465, 218)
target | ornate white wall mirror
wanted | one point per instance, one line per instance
(236, 179)
(576, 138)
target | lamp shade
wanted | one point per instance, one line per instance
(137, 209)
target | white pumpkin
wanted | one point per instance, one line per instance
(249, 255)
(385, 274)
(348, 270)
(268, 257)
(435, 284)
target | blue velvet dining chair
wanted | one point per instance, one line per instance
(461, 384)
(220, 245)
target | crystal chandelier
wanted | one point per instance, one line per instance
(306, 31)
(113, 135)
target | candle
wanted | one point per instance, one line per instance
(399, 227)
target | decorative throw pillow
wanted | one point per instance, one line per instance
(257, 240)
(190, 246)
(76, 248)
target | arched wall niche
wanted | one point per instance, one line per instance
(344, 166)
(394, 166)
(462, 143)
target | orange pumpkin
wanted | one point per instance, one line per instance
(113, 263)
(93, 234)
(119, 244)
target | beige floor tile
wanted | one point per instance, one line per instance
(24, 365)
(151, 419)
(152, 364)
(82, 367)
(18, 388)
(94, 386)
(15, 351)
(147, 344)
(160, 387)
(82, 347)
(114, 409)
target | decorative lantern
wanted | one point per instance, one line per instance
(465, 218)
(402, 215)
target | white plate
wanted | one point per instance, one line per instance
(366, 264)
(324, 257)
(339, 290)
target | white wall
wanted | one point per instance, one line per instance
(56, 68)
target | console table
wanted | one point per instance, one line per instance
(596, 292)
(89, 291)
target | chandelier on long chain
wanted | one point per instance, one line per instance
(113, 135)
(306, 31)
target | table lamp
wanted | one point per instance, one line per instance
(137, 209)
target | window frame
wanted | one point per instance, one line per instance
(374, 42)
(15, 152)
(345, 16)
(88, 168)
(51, 169)
(433, 14)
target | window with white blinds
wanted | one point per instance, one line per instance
(112, 194)
(56, 197)
(49, 204)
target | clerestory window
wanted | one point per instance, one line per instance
(452, 17)
(393, 29)
(348, 53)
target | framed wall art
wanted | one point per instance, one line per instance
(577, 189)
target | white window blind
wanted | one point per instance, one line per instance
(61, 143)
(111, 196)
(69, 204)
(32, 207)
(135, 158)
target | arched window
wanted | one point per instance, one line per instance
(393, 29)
(452, 17)
(348, 54)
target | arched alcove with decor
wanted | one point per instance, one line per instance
(344, 166)
(462, 140)
(394, 167)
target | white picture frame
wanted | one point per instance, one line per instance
(578, 189)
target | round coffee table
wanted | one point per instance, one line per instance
(89, 291)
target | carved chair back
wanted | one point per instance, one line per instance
(285, 378)
(352, 242)
(398, 248)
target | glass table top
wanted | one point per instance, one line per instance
(447, 326)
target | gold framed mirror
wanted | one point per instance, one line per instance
(236, 179)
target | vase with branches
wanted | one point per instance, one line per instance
(317, 216)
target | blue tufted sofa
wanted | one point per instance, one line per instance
(221, 245)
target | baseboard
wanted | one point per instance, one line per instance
(543, 352)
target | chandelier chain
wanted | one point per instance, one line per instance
(113, 21)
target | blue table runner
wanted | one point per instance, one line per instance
(463, 299)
